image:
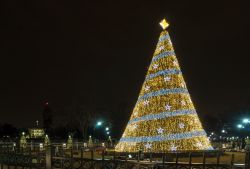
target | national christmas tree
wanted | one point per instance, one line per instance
(164, 117)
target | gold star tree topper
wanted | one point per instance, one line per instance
(164, 24)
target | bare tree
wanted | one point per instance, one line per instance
(84, 117)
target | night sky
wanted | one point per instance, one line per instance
(97, 53)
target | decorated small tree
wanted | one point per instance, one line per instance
(46, 140)
(23, 141)
(70, 142)
(90, 142)
(164, 117)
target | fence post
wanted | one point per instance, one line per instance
(163, 161)
(126, 160)
(48, 157)
(30, 158)
(247, 158)
(71, 157)
(15, 152)
(204, 160)
(218, 160)
(102, 158)
(81, 157)
(92, 159)
(176, 160)
(1, 160)
(8, 151)
(190, 160)
(232, 161)
(138, 156)
(114, 158)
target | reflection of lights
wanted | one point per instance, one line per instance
(108, 132)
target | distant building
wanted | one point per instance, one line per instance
(36, 133)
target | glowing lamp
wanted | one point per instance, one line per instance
(240, 126)
(99, 123)
(245, 121)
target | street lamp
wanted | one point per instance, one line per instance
(107, 129)
(99, 123)
(240, 126)
(246, 120)
(223, 131)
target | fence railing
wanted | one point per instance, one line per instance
(52, 157)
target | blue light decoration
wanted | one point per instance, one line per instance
(163, 72)
(163, 115)
(163, 92)
(176, 136)
(163, 55)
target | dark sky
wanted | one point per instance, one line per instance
(98, 52)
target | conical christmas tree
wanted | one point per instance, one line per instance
(164, 117)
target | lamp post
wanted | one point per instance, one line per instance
(103, 129)
(240, 126)
(245, 121)
(99, 123)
